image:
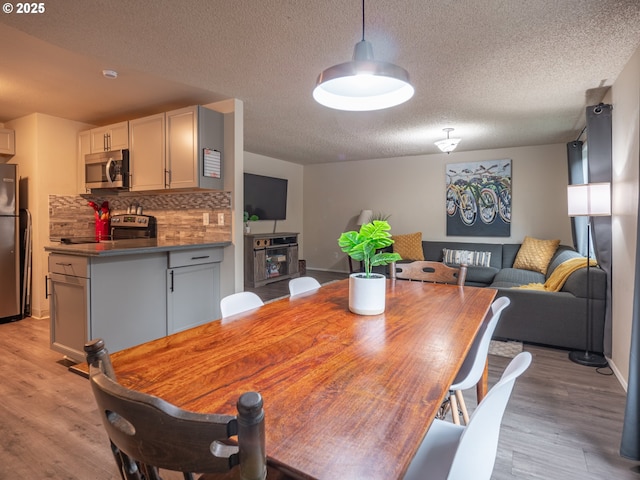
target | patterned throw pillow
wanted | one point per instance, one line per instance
(454, 257)
(481, 259)
(535, 254)
(409, 246)
(467, 257)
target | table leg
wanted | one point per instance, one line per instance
(483, 385)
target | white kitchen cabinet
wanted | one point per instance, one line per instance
(182, 147)
(110, 137)
(167, 150)
(147, 153)
(7, 141)
(193, 293)
(191, 131)
(84, 148)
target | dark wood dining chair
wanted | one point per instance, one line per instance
(427, 271)
(148, 433)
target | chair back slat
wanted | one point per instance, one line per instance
(427, 271)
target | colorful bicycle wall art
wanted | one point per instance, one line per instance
(479, 198)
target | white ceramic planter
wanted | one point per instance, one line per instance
(367, 295)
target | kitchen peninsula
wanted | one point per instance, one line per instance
(130, 291)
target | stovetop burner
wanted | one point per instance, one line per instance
(78, 240)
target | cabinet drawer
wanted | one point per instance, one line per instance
(196, 256)
(69, 265)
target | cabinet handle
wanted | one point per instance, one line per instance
(167, 178)
(104, 142)
(64, 264)
(200, 258)
(171, 288)
(46, 287)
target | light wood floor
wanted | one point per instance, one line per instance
(563, 421)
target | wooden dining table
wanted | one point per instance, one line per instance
(345, 396)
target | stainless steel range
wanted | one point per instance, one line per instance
(129, 226)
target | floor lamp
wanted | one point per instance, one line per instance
(589, 200)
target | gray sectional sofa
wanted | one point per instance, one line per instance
(556, 319)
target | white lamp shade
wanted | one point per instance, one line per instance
(344, 88)
(591, 199)
(365, 217)
(363, 84)
(448, 144)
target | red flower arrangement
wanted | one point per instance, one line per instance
(101, 212)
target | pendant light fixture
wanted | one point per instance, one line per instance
(448, 145)
(363, 84)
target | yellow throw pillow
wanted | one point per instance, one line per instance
(409, 246)
(535, 254)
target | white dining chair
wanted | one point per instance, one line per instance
(455, 452)
(472, 368)
(239, 302)
(302, 284)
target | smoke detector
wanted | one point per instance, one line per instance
(111, 74)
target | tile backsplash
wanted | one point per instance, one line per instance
(179, 216)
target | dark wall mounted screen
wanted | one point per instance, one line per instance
(265, 197)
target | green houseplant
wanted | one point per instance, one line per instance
(248, 218)
(364, 245)
(367, 290)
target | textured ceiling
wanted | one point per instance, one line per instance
(503, 73)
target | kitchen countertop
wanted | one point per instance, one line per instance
(129, 247)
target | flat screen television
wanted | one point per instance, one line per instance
(265, 197)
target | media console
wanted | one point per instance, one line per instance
(270, 257)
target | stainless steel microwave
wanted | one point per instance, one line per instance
(107, 169)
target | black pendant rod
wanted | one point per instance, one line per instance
(363, 22)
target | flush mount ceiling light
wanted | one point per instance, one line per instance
(363, 84)
(448, 145)
(111, 74)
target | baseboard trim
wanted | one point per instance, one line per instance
(617, 373)
(328, 270)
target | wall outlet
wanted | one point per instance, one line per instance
(205, 218)
(221, 219)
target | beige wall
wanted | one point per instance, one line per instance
(46, 158)
(261, 165)
(625, 98)
(412, 191)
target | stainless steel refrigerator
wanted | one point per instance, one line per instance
(9, 243)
